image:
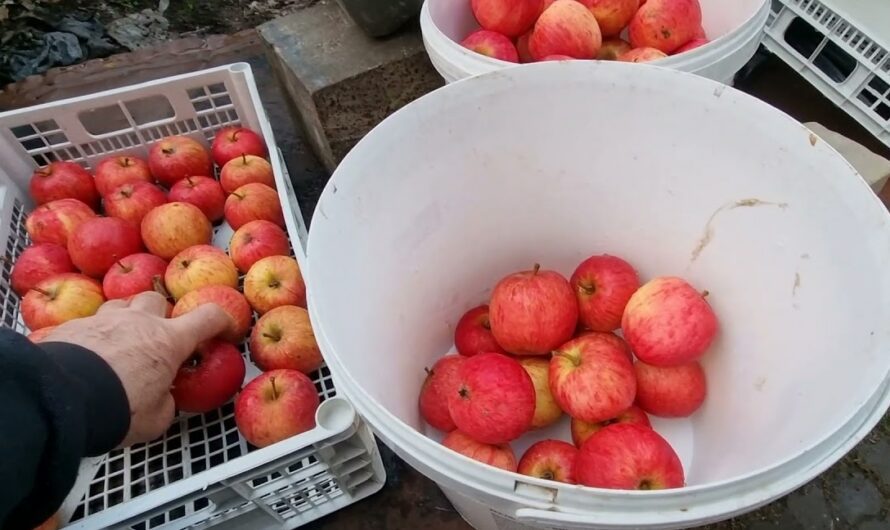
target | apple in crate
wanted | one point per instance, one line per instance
(508, 17)
(98, 243)
(612, 15)
(691, 45)
(603, 285)
(199, 266)
(203, 192)
(173, 227)
(132, 201)
(256, 240)
(613, 48)
(246, 169)
(582, 430)
(550, 460)
(37, 263)
(273, 282)
(533, 312)
(642, 55)
(176, 157)
(473, 335)
(547, 411)
(670, 391)
(54, 221)
(41, 334)
(440, 381)
(567, 28)
(667, 322)
(209, 378)
(134, 274)
(592, 377)
(59, 299)
(230, 300)
(233, 142)
(115, 171)
(665, 24)
(627, 456)
(283, 338)
(63, 180)
(497, 455)
(495, 399)
(253, 202)
(491, 44)
(275, 406)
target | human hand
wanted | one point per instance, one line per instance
(145, 350)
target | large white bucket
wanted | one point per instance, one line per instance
(676, 173)
(734, 27)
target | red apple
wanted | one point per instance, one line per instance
(612, 15)
(275, 406)
(199, 266)
(176, 157)
(54, 221)
(550, 460)
(547, 411)
(670, 391)
(667, 322)
(473, 333)
(557, 58)
(522, 51)
(582, 430)
(96, 244)
(440, 381)
(592, 377)
(629, 457)
(134, 274)
(283, 338)
(63, 180)
(203, 192)
(533, 312)
(115, 171)
(253, 202)
(665, 24)
(246, 169)
(603, 285)
(613, 48)
(491, 44)
(233, 142)
(209, 378)
(37, 263)
(566, 28)
(500, 455)
(642, 55)
(495, 400)
(173, 227)
(41, 334)
(509, 17)
(256, 240)
(59, 299)
(132, 201)
(230, 300)
(691, 45)
(273, 282)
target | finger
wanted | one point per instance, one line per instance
(113, 305)
(151, 423)
(150, 302)
(202, 323)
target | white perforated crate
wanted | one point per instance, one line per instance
(202, 473)
(841, 47)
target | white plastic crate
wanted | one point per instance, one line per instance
(202, 473)
(841, 47)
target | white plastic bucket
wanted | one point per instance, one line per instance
(676, 173)
(735, 28)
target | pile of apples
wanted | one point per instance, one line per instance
(525, 31)
(546, 345)
(156, 235)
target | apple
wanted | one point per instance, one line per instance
(132, 201)
(473, 335)
(115, 171)
(557, 58)
(628, 456)
(54, 221)
(522, 51)
(549, 460)
(37, 263)
(173, 158)
(691, 45)
(667, 322)
(665, 24)
(566, 28)
(209, 378)
(41, 334)
(582, 430)
(440, 381)
(253, 202)
(63, 180)
(495, 400)
(642, 55)
(547, 411)
(533, 312)
(246, 169)
(203, 192)
(273, 282)
(233, 142)
(96, 244)
(173, 227)
(256, 240)
(613, 48)
(612, 15)
(61, 298)
(499, 455)
(230, 300)
(491, 44)
(670, 391)
(275, 406)
(508, 17)
(197, 267)
(283, 338)
(592, 377)
(603, 285)
(134, 274)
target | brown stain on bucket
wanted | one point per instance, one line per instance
(796, 285)
(813, 139)
(708, 233)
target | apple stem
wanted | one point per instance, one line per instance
(125, 161)
(705, 293)
(122, 266)
(240, 197)
(576, 362)
(536, 268)
(244, 158)
(189, 180)
(44, 292)
(158, 286)
(274, 389)
(167, 151)
(486, 323)
(429, 372)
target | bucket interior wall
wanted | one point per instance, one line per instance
(676, 174)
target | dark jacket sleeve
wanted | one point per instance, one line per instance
(58, 403)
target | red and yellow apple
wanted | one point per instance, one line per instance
(491, 44)
(670, 391)
(230, 300)
(508, 17)
(273, 282)
(96, 244)
(613, 48)
(441, 380)
(115, 171)
(603, 285)
(497, 455)
(256, 240)
(203, 192)
(665, 24)
(642, 55)
(59, 299)
(37, 263)
(209, 378)
(547, 411)
(612, 15)
(566, 28)
(691, 45)
(549, 460)
(582, 430)
(63, 180)
(253, 202)
(199, 266)
(232, 142)
(133, 200)
(522, 51)
(246, 169)
(473, 335)
(173, 158)
(134, 274)
(54, 221)
(275, 406)
(283, 338)
(173, 227)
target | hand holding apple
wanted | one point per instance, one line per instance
(209, 378)
(229, 300)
